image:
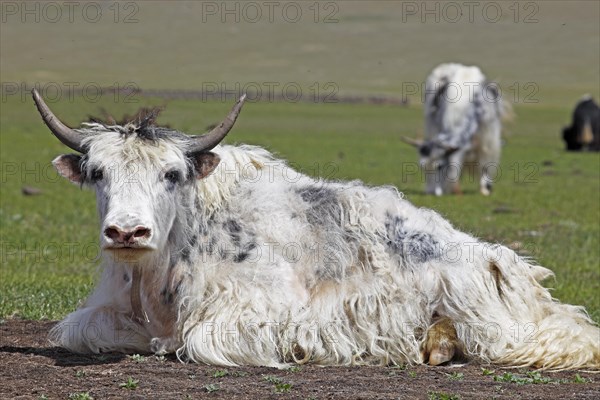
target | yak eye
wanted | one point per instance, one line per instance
(96, 175)
(173, 176)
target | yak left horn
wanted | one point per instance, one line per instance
(66, 135)
(412, 142)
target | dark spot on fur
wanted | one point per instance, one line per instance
(421, 247)
(185, 254)
(193, 240)
(244, 253)
(413, 247)
(233, 226)
(240, 257)
(234, 229)
(324, 205)
(126, 277)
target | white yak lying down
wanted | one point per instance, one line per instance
(227, 256)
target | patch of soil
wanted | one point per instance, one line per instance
(30, 368)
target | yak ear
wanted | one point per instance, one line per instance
(68, 166)
(205, 163)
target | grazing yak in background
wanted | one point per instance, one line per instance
(584, 132)
(463, 122)
(226, 256)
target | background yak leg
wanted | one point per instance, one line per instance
(441, 343)
(456, 188)
(489, 156)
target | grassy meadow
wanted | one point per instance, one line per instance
(546, 201)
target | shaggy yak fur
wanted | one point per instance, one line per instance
(255, 263)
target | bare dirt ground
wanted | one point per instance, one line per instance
(30, 368)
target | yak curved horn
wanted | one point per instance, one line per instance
(66, 135)
(217, 134)
(412, 142)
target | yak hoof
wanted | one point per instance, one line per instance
(162, 346)
(441, 343)
(486, 189)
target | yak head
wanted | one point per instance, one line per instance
(142, 175)
(435, 161)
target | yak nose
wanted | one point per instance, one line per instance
(126, 236)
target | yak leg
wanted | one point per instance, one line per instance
(441, 343)
(456, 188)
(99, 329)
(489, 156)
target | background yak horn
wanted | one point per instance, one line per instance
(68, 136)
(218, 133)
(412, 142)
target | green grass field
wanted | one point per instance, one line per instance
(546, 200)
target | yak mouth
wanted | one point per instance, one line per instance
(134, 247)
(128, 253)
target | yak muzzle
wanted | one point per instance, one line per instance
(117, 237)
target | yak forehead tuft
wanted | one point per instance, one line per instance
(124, 145)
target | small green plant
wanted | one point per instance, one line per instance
(102, 358)
(43, 396)
(530, 377)
(280, 385)
(412, 374)
(138, 358)
(220, 373)
(283, 387)
(487, 372)
(160, 358)
(210, 388)
(456, 376)
(580, 379)
(442, 396)
(80, 396)
(80, 373)
(131, 384)
(294, 368)
(272, 379)
(506, 377)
